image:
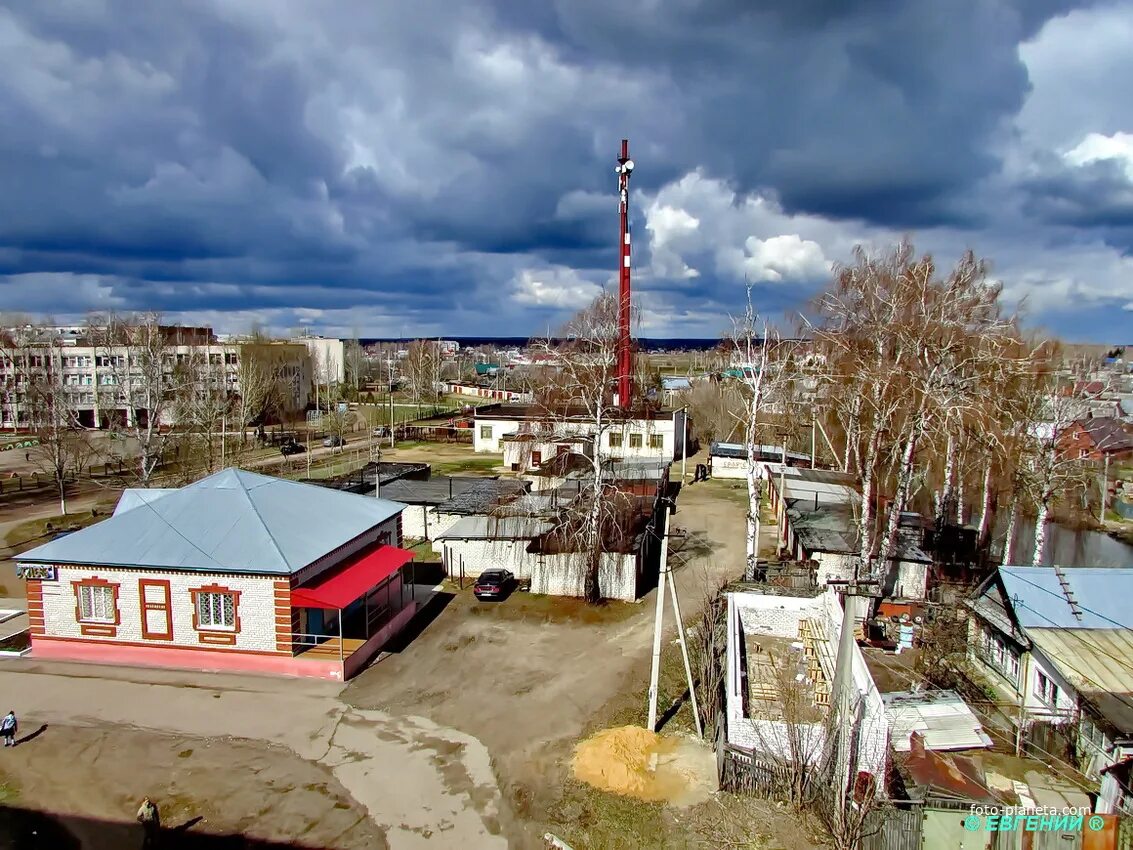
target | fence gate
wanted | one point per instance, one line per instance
(899, 829)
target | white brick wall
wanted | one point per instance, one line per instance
(754, 613)
(912, 580)
(555, 575)
(256, 609)
(413, 521)
(564, 575)
(775, 615)
(480, 555)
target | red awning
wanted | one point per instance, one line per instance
(352, 581)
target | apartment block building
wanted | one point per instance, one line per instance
(102, 380)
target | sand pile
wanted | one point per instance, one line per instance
(635, 762)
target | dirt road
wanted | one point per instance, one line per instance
(527, 688)
(417, 781)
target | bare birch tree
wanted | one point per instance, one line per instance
(421, 369)
(765, 380)
(139, 374)
(204, 405)
(63, 447)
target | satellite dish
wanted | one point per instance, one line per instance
(629, 165)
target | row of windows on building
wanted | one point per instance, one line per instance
(614, 439)
(110, 361)
(1005, 660)
(98, 604)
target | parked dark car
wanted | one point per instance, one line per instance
(334, 441)
(291, 448)
(494, 584)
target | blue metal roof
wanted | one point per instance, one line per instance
(233, 521)
(1102, 594)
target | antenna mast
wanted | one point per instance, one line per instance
(625, 354)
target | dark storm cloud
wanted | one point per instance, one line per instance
(456, 157)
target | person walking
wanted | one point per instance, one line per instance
(150, 819)
(9, 726)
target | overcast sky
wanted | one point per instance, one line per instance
(446, 166)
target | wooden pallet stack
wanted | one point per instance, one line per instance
(762, 676)
(819, 661)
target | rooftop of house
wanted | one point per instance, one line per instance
(432, 491)
(538, 413)
(1101, 594)
(941, 717)
(233, 521)
(1107, 433)
(1099, 665)
(495, 528)
(483, 496)
(833, 527)
(985, 777)
(739, 450)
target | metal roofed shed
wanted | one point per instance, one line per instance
(233, 521)
(941, 717)
(432, 491)
(483, 496)
(496, 528)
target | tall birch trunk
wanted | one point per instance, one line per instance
(904, 479)
(753, 484)
(948, 491)
(985, 508)
(959, 499)
(865, 529)
(1040, 530)
(593, 541)
(1009, 540)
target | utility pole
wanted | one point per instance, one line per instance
(843, 691)
(389, 389)
(625, 354)
(684, 442)
(655, 670)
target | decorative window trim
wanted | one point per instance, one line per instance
(97, 628)
(216, 635)
(145, 607)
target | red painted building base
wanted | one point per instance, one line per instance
(217, 661)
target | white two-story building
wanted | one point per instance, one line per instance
(527, 435)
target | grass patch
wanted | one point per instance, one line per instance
(17, 642)
(536, 607)
(34, 532)
(474, 465)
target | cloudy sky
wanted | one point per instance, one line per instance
(441, 167)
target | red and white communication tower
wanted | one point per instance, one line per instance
(625, 352)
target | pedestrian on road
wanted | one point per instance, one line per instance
(150, 819)
(9, 726)
(27, 456)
